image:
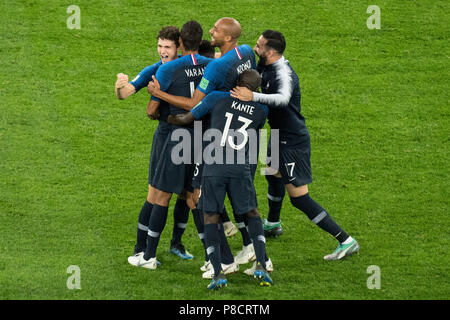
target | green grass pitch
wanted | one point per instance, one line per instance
(74, 159)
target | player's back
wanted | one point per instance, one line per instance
(237, 123)
(288, 120)
(180, 77)
(221, 74)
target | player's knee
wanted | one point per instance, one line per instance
(190, 201)
(211, 218)
(253, 213)
(151, 194)
(162, 198)
(295, 192)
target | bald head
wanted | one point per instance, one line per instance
(230, 26)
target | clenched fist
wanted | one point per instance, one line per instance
(122, 80)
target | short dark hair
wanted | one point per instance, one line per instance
(206, 49)
(191, 34)
(275, 40)
(170, 33)
(250, 78)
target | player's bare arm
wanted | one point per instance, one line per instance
(122, 87)
(181, 119)
(177, 101)
(153, 109)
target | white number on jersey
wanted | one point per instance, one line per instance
(241, 130)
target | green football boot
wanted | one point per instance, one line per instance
(343, 250)
(272, 230)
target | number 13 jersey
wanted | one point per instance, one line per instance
(233, 133)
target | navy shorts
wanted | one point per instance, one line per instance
(240, 191)
(159, 139)
(295, 166)
(171, 177)
(294, 162)
(197, 176)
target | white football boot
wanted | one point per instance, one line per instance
(226, 268)
(251, 271)
(138, 260)
(246, 255)
(230, 229)
(206, 266)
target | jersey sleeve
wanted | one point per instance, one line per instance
(284, 88)
(211, 78)
(204, 106)
(164, 77)
(144, 77)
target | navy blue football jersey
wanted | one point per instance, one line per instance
(281, 93)
(221, 74)
(142, 80)
(145, 76)
(234, 130)
(181, 76)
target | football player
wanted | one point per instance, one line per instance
(220, 74)
(177, 77)
(281, 92)
(168, 43)
(236, 123)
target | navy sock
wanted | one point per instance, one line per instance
(275, 196)
(213, 246)
(319, 216)
(242, 226)
(180, 219)
(224, 216)
(255, 228)
(198, 220)
(143, 221)
(226, 256)
(156, 226)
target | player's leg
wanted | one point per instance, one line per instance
(180, 217)
(143, 220)
(242, 195)
(301, 199)
(199, 224)
(247, 254)
(228, 264)
(275, 196)
(296, 173)
(157, 223)
(158, 142)
(211, 222)
(212, 198)
(256, 231)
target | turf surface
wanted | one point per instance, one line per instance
(74, 159)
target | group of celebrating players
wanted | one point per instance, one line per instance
(221, 89)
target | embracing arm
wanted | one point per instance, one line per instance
(177, 101)
(279, 99)
(153, 109)
(181, 119)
